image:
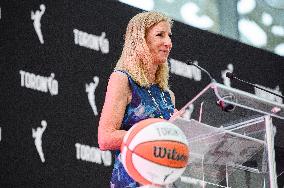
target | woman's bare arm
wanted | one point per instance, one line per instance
(117, 97)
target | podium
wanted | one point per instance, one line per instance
(231, 139)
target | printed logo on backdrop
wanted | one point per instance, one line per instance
(94, 42)
(226, 80)
(93, 154)
(182, 69)
(36, 17)
(37, 135)
(90, 89)
(39, 83)
(269, 96)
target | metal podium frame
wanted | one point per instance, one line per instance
(223, 142)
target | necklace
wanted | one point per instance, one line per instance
(156, 104)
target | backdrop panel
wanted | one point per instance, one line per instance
(55, 60)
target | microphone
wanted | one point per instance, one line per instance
(203, 70)
(224, 106)
(233, 76)
(230, 75)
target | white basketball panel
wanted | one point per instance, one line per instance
(156, 173)
(158, 131)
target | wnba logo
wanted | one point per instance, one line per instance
(171, 154)
(37, 135)
(36, 17)
(90, 89)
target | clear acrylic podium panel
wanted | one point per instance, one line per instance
(228, 149)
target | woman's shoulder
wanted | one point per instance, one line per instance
(118, 77)
(126, 75)
(118, 85)
(121, 72)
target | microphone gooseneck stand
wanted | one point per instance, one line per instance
(232, 76)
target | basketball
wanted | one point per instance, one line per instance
(154, 151)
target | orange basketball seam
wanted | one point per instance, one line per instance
(161, 140)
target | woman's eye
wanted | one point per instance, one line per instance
(159, 34)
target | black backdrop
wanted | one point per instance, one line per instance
(53, 82)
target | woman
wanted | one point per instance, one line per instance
(138, 88)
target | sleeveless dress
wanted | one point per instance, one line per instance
(146, 103)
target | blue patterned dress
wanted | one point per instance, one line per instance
(146, 103)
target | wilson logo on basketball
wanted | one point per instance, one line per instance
(172, 154)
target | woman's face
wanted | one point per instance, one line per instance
(158, 39)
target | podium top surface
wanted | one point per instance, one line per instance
(247, 100)
(220, 106)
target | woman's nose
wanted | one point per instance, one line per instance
(168, 42)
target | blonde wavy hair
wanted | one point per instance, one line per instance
(136, 55)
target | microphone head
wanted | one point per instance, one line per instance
(230, 75)
(202, 69)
